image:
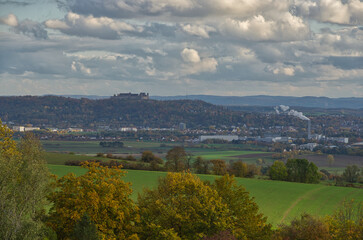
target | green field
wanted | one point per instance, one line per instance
(226, 152)
(279, 201)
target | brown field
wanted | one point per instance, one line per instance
(339, 160)
(256, 155)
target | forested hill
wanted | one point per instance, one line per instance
(66, 112)
(310, 102)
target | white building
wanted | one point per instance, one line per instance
(128, 129)
(19, 128)
(26, 129)
(308, 146)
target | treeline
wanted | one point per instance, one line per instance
(178, 160)
(98, 204)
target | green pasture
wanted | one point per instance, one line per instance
(279, 201)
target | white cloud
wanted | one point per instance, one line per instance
(198, 30)
(258, 28)
(190, 55)
(194, 64)
(79, 67)
(10, 20)
(102, 27)
(332, 11)
(281, 69)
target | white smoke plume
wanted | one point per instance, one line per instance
(284, 109)
(298, 114)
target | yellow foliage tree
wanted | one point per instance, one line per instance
(102, 195)
(7, 144)
(247, 222)
(347, 222)
(182, 207)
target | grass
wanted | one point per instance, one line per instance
(279, 201)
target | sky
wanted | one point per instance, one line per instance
(182, 47)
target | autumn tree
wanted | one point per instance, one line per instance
(330, 159)
(182, 207)
(148, 156)
(176, 159)
(278, 171)
(219, 166)
(24, 184)
(305, 227)
(102, 195)
(247, 222)
(238, 169)
(347, 221)
(201, 166)
(351, 173)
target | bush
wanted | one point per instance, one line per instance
(307, 227)
(148, 156)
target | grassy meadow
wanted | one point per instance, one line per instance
(279, 201)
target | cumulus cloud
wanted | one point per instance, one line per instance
(282, 69)
(190, 55)
(198, 30)
(286, 28)
(195, 64)
(10, 20)
(332, 11)
(102, 27)
(27, 27)
(79, 67)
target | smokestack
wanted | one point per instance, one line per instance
(309, 129)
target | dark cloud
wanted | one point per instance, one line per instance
(17, 3)
(31, 28)
(345, 62)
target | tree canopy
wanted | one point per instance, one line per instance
(301, 170)
(102, 195)
(24, 184)
(176, 159)
(278, 171)
(183, 206)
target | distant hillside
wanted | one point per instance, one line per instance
(66, 112)
(312, 102)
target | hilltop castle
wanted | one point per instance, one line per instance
(141, 96)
